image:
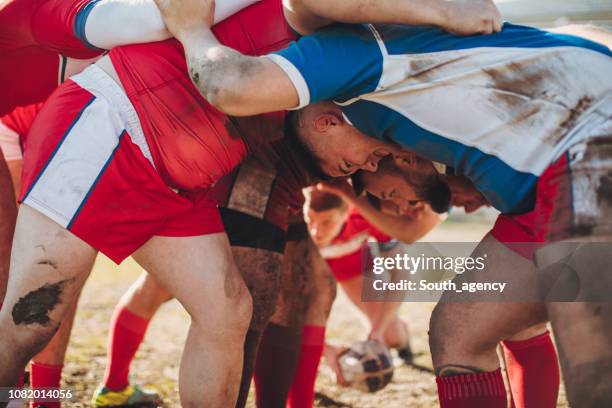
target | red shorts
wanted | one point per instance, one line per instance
(87, 167)
(573, 200)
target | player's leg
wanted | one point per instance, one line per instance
(574, 269)
(46, 367)
(128, 326)
(318, 308)
(532, 367)
(200, 273)
(464, 355)
(48, 268)
(261, 269)
(279, 349)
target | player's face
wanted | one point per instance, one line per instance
(340, 148)
(391, 186)
(348, 151)
(403, 180)
(324, 226)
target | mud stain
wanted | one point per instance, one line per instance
(36, 305)
(604, 191)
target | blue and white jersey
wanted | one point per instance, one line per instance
(499, 109)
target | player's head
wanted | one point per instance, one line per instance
(405, 180)
(339, 148)
(325, 214)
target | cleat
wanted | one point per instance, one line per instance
(130, 396)
(406, 354)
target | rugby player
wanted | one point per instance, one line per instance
(154, 167)
(341, 233)
(39, 46)
(530, 357)
(255, 201)
(522, 113)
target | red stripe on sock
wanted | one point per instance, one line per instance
(127, 331)
(533, 371)
(480, 390)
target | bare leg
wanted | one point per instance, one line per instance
(583, 328)
(55, 352)
(201, 274)
(458, 348)
(48, 268)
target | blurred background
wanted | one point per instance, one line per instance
(555, 13)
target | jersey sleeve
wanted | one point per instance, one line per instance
(58, 25)
(336, 63)
(14, 127)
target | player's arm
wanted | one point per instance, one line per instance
(111, 23)
(462, 17)
(406, 228)
(335, 63)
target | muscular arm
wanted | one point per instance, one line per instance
(236, 84)
(405, 228)
(251, 86)
(456, 16)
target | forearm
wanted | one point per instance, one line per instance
(312, 14)
(379, 11)
(404, 228)
(234, 83)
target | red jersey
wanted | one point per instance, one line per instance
(14, 127)
(348, 251)
(33, 34)
(191, 143)
(266, 185)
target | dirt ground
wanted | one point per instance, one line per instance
(157, 362)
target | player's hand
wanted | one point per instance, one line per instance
(332, 354)
(467, 17)
(377, 335)
(341, 188)
(183, 17)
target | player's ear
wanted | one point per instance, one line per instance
(326, 120)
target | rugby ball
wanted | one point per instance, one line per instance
(367, 366)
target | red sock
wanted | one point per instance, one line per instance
(21, 380)
(480, 390)
(127, 331)
(301, 394)
(45, 376)
(533, 371)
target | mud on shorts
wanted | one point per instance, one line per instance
(88, 167)
(574, 200)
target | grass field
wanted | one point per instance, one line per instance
(157, 362)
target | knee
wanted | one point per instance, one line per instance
(239, 312)
(23, 343)
(449, 338)
(437, 325)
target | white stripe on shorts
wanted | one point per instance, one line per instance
(79, 160)
(99, 83)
